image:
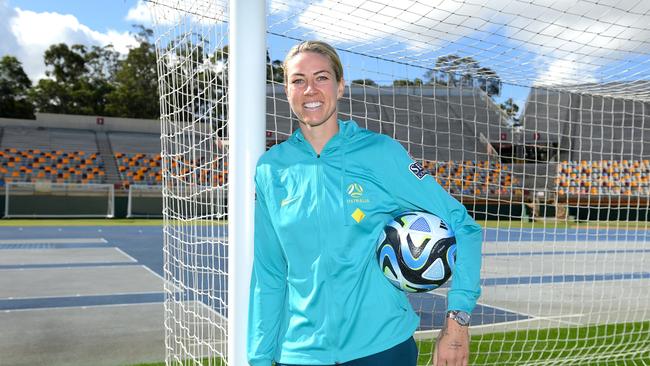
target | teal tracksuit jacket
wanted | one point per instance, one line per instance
(317, 294)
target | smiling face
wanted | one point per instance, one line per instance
(312, 89)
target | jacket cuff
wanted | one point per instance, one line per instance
(262, 362)
(459, 300)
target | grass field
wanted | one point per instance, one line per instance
(625, 344)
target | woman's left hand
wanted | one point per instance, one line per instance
(452, 347)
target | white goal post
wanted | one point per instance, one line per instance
(534, 114)
(144, 201)
(47, 199)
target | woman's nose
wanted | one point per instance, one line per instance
(310, 88)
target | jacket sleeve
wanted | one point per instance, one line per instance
(413, 188)
(267, 289)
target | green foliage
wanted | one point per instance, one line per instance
(407, 82)
(366, 82)
(135, 92)
(79, 79)
(274, 70)
(456, 71)
(85, 80)
(510, 107)
(14, 88)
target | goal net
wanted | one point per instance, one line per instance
(533, 114)
(144, 201)
(47, 199)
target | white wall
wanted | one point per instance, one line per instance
(50, 120)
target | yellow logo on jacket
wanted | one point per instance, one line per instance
(358, 215)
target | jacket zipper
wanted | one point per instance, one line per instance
(326, 256)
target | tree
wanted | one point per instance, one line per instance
(456, 71)
(274, 70)
(203, 75)
(407, 82)
(60, 92)
(488, 81)
(14, 88)
(135, 92)
(365, 82)
(509, 107)
(78, 80)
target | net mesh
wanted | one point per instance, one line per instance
(192, 58)
(533, 114)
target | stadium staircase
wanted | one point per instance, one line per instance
(106, 152)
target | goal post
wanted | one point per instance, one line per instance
(144, 201)
(246, 128)
(539, 125)
(46, 199)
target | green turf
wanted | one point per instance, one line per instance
(612, 344)
(625, 344)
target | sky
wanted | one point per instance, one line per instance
(29, 27)
(548, 42)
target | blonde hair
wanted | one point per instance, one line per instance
(319, 47)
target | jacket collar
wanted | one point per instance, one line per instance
(347, 129)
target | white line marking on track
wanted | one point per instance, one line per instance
(54, 241)
(126, 255)
(85, 306)
(84, 295)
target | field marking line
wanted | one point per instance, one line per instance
(53, 241)
(83, 307)
(46, 297)
(434, 332)
(126, 255)
(536, 318)
(69, 266)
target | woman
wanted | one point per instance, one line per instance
(318, 296)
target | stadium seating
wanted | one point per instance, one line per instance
(142, 168)
(480, 179)
(139, 168)
(55, 166)
(604, 178)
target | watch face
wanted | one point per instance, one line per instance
(460, 317)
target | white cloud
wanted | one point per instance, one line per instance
(31, 33)
(563, 72)
(169, 12)
(579, 39)
(140, 13)
(9, 43)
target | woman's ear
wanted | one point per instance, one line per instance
(340, 89)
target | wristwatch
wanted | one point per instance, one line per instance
(461, 317)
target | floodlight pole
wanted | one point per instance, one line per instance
(246, 131)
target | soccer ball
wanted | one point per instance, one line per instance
(417, 251)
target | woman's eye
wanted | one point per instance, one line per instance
(297, 81)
